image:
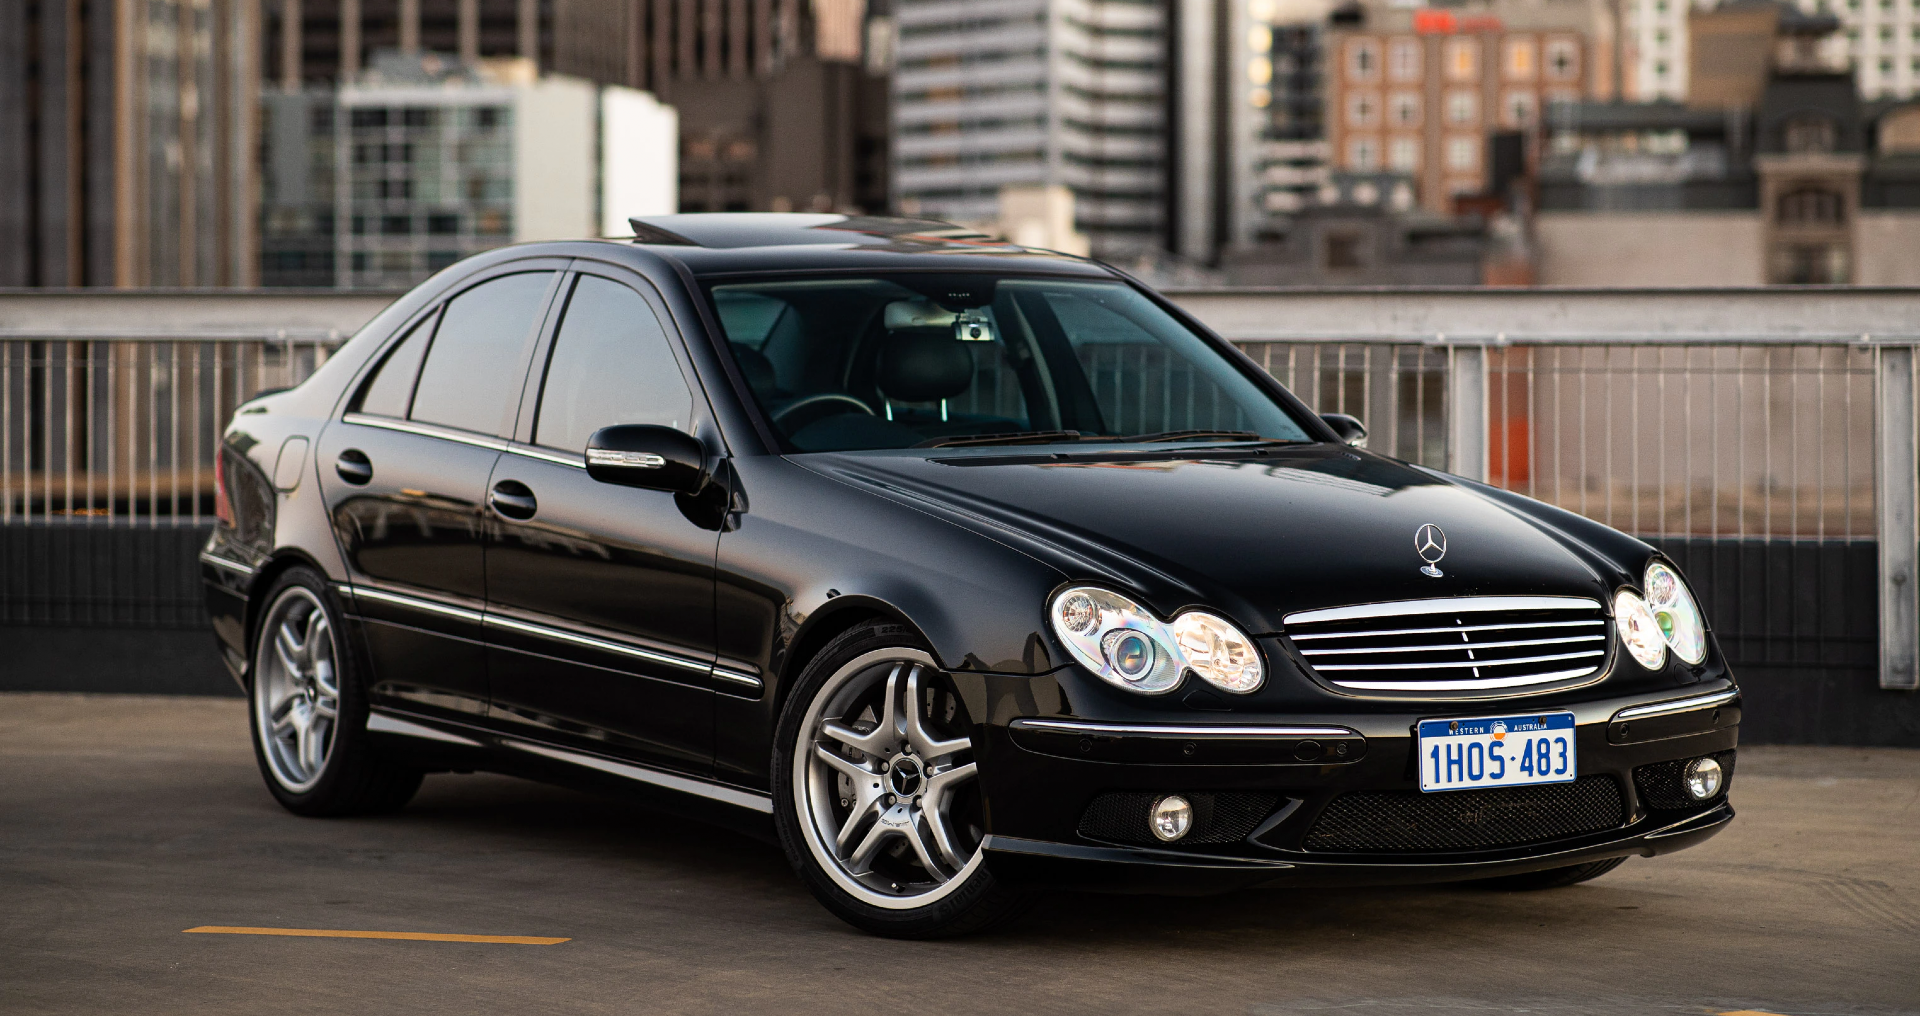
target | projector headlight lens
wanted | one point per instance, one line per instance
(1704, 779)
(1639, 632)
(1676, 613)
(1130, 647)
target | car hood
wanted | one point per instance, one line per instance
(1257, 536)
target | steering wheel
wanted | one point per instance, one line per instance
(791, 417)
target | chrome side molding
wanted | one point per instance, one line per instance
(236, 567)
(383, 723)
(749, 799)
(1185, 733)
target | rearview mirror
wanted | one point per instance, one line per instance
(645, 455)
(1349, 428)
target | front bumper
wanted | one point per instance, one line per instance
(1039, 790)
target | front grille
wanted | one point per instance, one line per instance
(1404, 821)
(1662, 789)
(1467, 643)
(1121, 817)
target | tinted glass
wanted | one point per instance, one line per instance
(472, 373)
(392, 385)
(897, 361)
(611, 363)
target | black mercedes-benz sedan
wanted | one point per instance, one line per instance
(977, 570)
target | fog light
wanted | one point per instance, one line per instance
(1172, 817)
(1703, 779)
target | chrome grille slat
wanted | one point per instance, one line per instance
(1512, 643)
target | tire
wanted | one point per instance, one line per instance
(876, 804)
(307, 708)
(1553, 878)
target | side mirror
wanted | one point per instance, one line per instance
(645, 455)
(1349, 428)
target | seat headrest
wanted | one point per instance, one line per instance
(925, 367)
(757, 369)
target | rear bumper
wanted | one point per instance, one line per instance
(1093, 868)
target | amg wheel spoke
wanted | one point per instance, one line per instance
(315, 636)
(289, 649)
(942, 839)
(919, 843)
(859, 774)
(861, 860)
(861, 813)
(323, 679)
(923, 741)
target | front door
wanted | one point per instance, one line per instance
(600, 597)
(405, 476)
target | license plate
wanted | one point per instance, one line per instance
(1497, 751)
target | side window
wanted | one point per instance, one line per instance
(392, 385)
(472, 370)
(611, 363)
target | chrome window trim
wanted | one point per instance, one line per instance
(417, 603)
(528, 451)
(608, 645)
(1479, 684)
(1444, 605)
(236, 567)
(1150, 730)
(382, 723)
(748, 799)
(1679, 705)
(1465, 664)
(1454, 648)
(1445, 631)
(426, 430)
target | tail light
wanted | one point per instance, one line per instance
(222, 507)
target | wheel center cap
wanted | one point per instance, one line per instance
(905, 777)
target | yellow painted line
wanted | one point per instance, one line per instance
(1749, 1012)
(410, 936)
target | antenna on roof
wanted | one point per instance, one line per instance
(646, 232)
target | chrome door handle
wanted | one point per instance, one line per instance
(514, 500)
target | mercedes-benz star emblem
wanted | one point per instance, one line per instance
(1430, 542)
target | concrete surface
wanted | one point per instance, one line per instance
(126, 820)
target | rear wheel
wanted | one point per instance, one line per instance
(875, 795)
(1554, 878)
(309, 710)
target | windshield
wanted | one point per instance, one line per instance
(907, 360)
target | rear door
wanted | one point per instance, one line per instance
(405, 476)
(600, 597)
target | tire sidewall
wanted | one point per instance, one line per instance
(957, 911)
(350, 725)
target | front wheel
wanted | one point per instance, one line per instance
(875, 795)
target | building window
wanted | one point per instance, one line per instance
(1463, 107)
(1463, 59)
(1403, 155)
(1404, 60)
(1363, 59)
(1343, 251)
(1660, 69)
(1363, 155)
(1811, 206)
(1563, 59)
(1809, 264)
(1463, 154)
(1803, 134)
(1519, 109)
(1405, 108)
(1363, 109)
(1521, 60)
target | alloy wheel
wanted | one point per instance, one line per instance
(296, 688)
(884, 781)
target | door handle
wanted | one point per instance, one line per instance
(354, 467)
(513, 499)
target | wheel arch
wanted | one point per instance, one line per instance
(283, 560)
(839, 616)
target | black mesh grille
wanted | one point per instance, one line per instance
(1662, 790)
(1217, 818)
(1468, 819)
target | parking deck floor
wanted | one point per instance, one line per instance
(125, 821)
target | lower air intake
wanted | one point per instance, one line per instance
(1662, 787)
(1408, 821)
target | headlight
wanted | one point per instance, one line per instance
(1638, 630)
(1116, 639)
(1674, 611)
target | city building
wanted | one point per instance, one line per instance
(782, 103)
(1880, 38)
(1424, 92)
(1363, 229)
(423, 160)
(1775, 172)
(129, 134)
(1035, 93)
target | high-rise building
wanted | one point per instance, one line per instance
(127, 136)
(1040, 93)
(1881, 38)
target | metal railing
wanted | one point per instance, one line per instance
(1711, 424)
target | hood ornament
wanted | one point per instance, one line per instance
(1430, 542)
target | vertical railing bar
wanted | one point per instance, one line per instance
(173, 432)
(153, 431)
(1533, 421)
(6, 431)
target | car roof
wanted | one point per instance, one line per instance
(724, 243)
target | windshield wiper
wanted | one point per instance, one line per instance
(1189, 435)
(1014, 438)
